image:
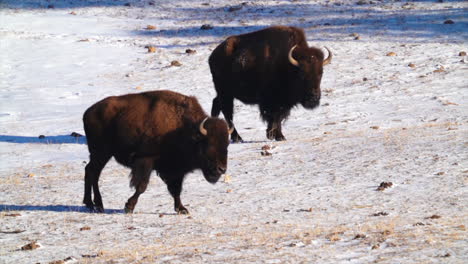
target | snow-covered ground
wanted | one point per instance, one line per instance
(314, 200)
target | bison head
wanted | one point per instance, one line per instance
(213, 148)
(308, 62)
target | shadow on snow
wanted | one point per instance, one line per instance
(54, 208)
(320, 23)
(62, 139)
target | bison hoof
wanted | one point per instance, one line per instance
(280, 138)
(182, 210)
(128, 210)
(99, 209)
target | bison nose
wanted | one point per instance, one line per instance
(221, 170)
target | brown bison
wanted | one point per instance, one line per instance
(274, 68)
(163, 131)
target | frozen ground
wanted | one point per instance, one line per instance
(313, 201)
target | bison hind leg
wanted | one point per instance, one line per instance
(92, 172)
(140, 174)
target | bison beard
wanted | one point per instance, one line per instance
(162, 131)
(273, 68)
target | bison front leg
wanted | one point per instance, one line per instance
(174, 185)
(141, 171)
(227, 106)
(274, 130)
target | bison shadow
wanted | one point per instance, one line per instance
(61, 139)
(420, 25)
(54, 208)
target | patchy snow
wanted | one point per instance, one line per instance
(314, 200)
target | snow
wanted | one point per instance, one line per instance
(312, 201)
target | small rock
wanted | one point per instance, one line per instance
(298, 244)
(376, 246)
(444, 256)
(234, 8)
(41, 136)
(365, 79)
(375, 127)
(190, 51)
(449, 22)
(227, 178)
(462, 53)
(229, 190)
(362, 2)
(384, 185)
(13, 215)
(176, 63)
(419, 224)
(327, 133)
(380, 214)
(357, 38)
(359, 236)
(206, 27)
(127, 4)
(85, 228)
(31, 175)
(265, 153)
(440, 173)
(391, 54)
(83, 40)
(161, 215)
(138, 88)
(31, 246)
(73, 13)
(150, 27)
(151, 49)
(434, 217)
(74, 134)
(50, 6)
(266, 147)
(354, 35)
(412, 65)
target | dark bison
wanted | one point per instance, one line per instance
(163, 131)
(274, 68)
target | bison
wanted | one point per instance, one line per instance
(272, 67)
(161, 130)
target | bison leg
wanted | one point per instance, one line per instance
(216, 107)
(227, 106)
(141, 171)
(274, 127)
(274, 131)
(174, 185)
(92, 173)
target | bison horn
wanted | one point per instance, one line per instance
(290, 57)
(328, 60)
(231, 130)
(202, 127)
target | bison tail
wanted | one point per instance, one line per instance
(133, 180)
